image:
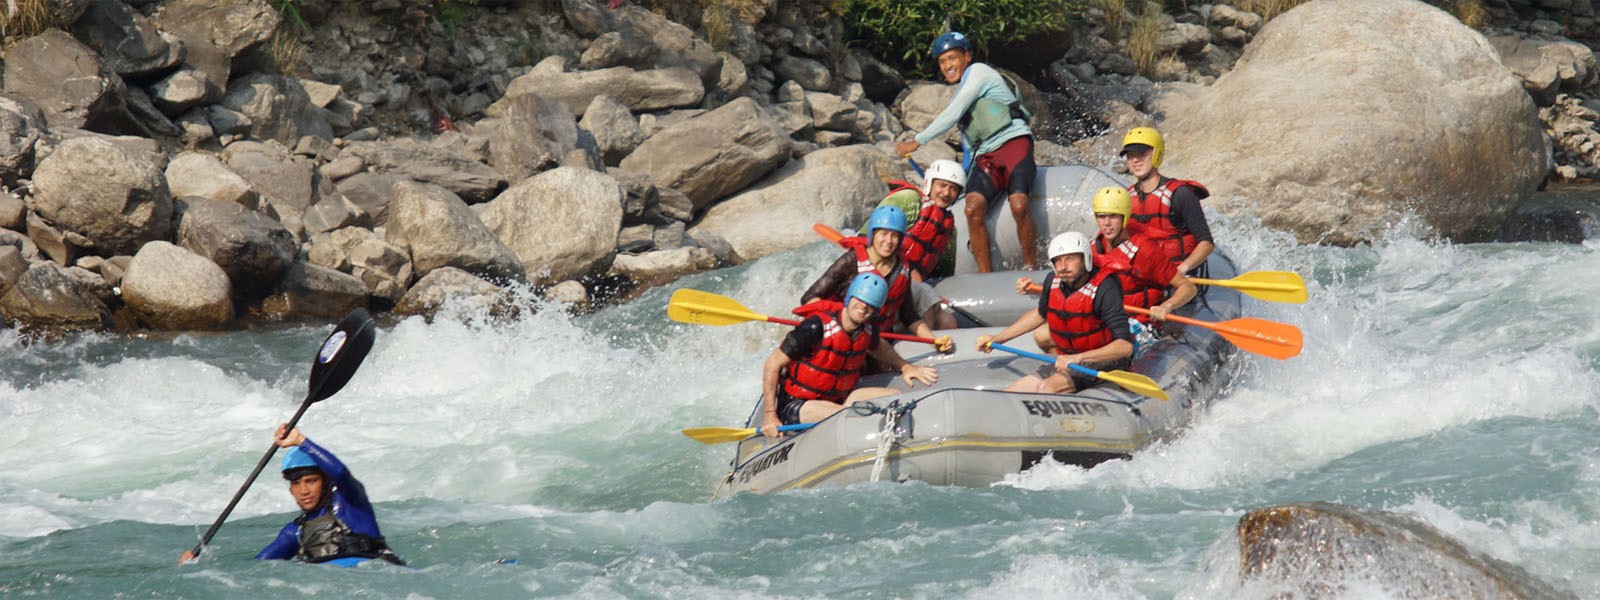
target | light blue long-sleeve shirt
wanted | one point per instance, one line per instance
(978, 81)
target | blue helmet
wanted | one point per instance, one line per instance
(296, 458)
(887, 217)
(870, 288)
(949, 41)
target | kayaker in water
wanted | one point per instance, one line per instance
(878, 253)
(1166, 210)
(811, 375)
(336, 518)
(994, 126)
(1082, 306)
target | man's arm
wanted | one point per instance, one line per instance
(970, 87)
(1162, 271)
(283, 547)
(885, 352)
(1192, 218)
(798, 344)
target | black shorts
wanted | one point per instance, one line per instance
(788, 408)
(1017, 174)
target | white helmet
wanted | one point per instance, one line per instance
(1070, 242)
(947, 170)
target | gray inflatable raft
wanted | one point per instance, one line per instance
(965, 431)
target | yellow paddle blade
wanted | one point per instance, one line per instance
(1135, 383)
(1272, 286)
(705, 308)
(1267, 338)
(718, 435)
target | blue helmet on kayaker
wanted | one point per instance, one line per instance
(294, 461)
(870, 288)
(887, 217)
(951, 40)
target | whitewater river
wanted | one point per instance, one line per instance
(1457, 384)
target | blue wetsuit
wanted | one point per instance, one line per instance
(345, 497)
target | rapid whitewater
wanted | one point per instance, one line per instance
(1456, 384)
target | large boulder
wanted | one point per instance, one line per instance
(67, 79)
(287, 185)
(278, 108)
(47, 297)
(1326, 550)
(836, 186)
(527, 133)
(371, 192)
(252, 248)
(439, 230)
(662, 266)
(463, 175)
(615, 129)
(213, 33)
(1332, 128)
(169, 287)
(714, 154)
(204, 175)
(130, 43)
(116, 197)
(562, 224)
(311, 291)
(654, 89)
(448, 286)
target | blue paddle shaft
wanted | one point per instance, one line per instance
(796, 427)
(1043, 357)
(916, 167)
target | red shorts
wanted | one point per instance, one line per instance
(1009, 169)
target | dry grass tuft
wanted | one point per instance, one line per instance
(1115, 18)
(27, 18)
(1268, 8)
(1472, 13)
(1142, 39)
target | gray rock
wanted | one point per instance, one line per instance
(130, 43)
(1183, 38)
(251, 248)
(114, 268)
(47, 298)
(439, 230)
(310, 291)
(635, 239)
(52, 242)
(527, 133)
(22, 125)
(830, 112)
(714, 154)
(809, 73)
(561, 224)
(12, 266)
(1547, 67)
(733, 79)
(669, 44)
(924, 102)
(13, 212)
(654, 89)
(675, 205)
(146, 119)
(196, 129)
(65, 78)
(278, 108)
(613, 49)
(1326, 70)
(463, 176)
(204, 175)
(881, 82)
(670, 236)
(450, 287)
(169, 287)
(383, 267)
(655, 268)
(1223, 15)
(334, 212)
(20, 241)
(226, 121)
(94, 187)
(829, 139)
(321, 95)
(569, 292)
(840, 185)
(342, 168)
(615, 130)
(214, 33)
(285, 185)
(372, 192)
(178, 92)
(640, 197)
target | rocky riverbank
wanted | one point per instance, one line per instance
(181, 164)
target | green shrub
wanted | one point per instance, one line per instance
(901, 31)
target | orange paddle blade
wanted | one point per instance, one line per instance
(1259, 336)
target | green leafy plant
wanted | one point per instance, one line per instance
(901, 31)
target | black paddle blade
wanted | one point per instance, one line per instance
(340, 354)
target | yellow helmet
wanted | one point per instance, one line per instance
(1145, 136)
(1113, 200)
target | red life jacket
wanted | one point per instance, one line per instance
(1138, 289)
(1152, 217)
(899, 279)
(1074, 327)
(926, 238)
(831, 371)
